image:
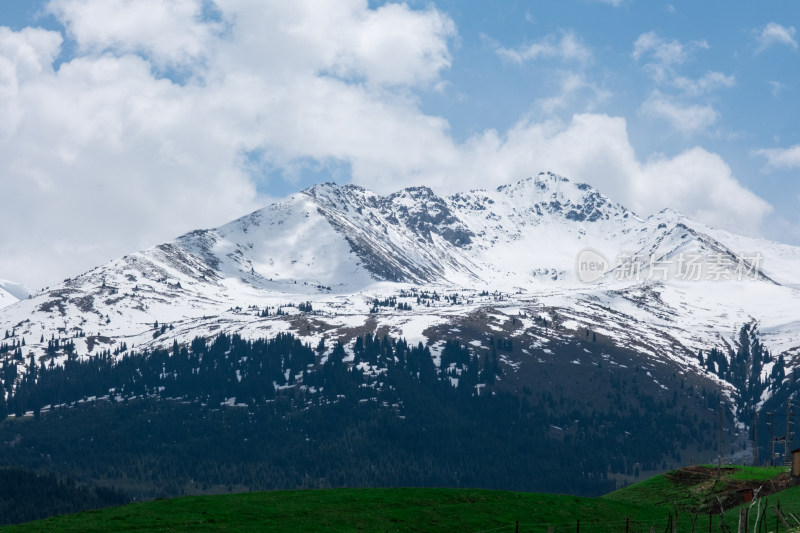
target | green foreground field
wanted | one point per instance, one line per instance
(691, 492)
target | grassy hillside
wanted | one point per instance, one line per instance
(645, 504)
(697, 489)
(346, 510)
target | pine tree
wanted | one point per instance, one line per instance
(3, 406)
(778, 372)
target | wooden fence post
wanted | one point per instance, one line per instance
(779, 512)
(747, 518)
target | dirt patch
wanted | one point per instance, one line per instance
(702, 481)
(691, 475)
(95, 340)
(84, 303)
(52, 305)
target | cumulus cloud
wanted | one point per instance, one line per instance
(105, 155)
(704, 186)
(772, 34)
(565, 46)
(170, 32)
(596, 148)
(781, 157)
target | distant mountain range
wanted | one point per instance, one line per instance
(341, 247)
(11, 292)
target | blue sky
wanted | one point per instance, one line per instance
(759, 110)
(161, 116)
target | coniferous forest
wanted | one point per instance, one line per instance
(231, 414)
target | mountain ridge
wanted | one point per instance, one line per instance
(511, 250)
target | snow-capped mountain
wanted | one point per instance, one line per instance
(6, 298)
(509, 252)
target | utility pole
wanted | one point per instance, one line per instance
(789, 423)
(771, 441)
(755, 437)
(719, 444)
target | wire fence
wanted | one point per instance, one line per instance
(740, 520)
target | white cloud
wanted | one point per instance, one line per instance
(776, 87)
(103, 157)
(571, 87)
(772, 34)
(662, 59)
(670, 52)
(391, 45)
(685, 118)
(565, 46)
(171, 32)
(615, 3)
(710, 81)
(663, 55)
(24, 55)
(704, 186)
(395, 46)
(28, 53)
(595, 148)
(781, 157)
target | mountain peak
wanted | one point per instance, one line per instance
(557, 195)
(420, 192)
(671, 213)
(330, 189)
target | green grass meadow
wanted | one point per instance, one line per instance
(638, 508)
